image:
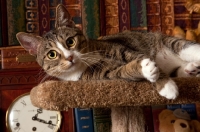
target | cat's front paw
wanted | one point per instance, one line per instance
(192, 69)
(170, 90)
(149, 70)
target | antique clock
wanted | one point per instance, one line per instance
(23, 116)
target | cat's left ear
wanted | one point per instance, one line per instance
(29, 42)
(63, 17)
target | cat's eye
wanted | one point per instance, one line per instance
(70, 42)
(52, 54)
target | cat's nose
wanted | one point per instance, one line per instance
(70, 58)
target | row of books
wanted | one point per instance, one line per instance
(99, 119)
(91, 120)
(95, 17)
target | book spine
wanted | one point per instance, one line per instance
(173, 106)
(91, 19)
(124, 15)
(138, 15)
(4, 24)
(52, 12)
(111, 16)
(156, 109)
(74, 8)
(102, 119)
(153, 15)
(195, 20)
(102, 18)
(43, 16)
(17, 58)
(195, 17)
(191, 109)
(32, 17)
(182, 17)
(149, 127)
(167, 19)
(84, 120)
(198, 110)
(15, 20)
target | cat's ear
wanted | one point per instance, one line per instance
(29, 42)
(63, 17)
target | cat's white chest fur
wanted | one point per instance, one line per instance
(73, 75)
(168, 61)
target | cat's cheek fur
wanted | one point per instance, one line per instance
(170, 90)
(149, 70)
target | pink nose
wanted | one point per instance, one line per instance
(70, 58)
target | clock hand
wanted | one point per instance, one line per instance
(35, 118)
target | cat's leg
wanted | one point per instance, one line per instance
(166, 87)
(191, 69)
(146, 68)
(191, 53)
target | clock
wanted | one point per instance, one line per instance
(22, 116)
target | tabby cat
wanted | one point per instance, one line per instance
(67, 54)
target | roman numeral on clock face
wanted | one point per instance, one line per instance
(15, 120)
(23, 102)
(53, 117)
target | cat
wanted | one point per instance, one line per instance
(66, 53)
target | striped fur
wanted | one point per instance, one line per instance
(127, 55)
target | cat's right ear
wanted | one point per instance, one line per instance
(29, 42)
(63, 17)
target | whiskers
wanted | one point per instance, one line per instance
(95, 59)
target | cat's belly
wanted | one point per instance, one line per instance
(168, 61)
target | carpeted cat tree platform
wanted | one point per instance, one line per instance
(119, 95)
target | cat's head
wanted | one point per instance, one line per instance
(59, 51)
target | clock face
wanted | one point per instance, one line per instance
(22, 116)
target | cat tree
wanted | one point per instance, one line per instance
(119, 95)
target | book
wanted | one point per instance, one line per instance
(44, 17)
(102, 119)
(4, 24)
(198, 110)
(102, 18)
(32, 16)
(149, 127)
(138, 15)
(74, 7)
(110, 8)
(195, 17)
(153, 15)
(191, 109)
(15, 20)
(124, 15)
(17, 57)
(91, 18)
(156, 109)
(182, 17)
(167, 16)
(84, 120)
(174, 106)
(52, 12)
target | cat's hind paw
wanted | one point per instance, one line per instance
(170, 90)
(192, 69)
(149, 70)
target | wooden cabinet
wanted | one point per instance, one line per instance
(19, 81)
